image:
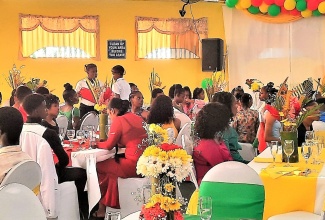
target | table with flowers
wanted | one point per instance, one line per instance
(288, 189)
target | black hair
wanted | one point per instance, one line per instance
(132, 84)
(213, 118)
(51, 99)
(321, 101)
(68, 93)
(121, 105)
(32, 102)
(12, 97)
(178, 91)
(118, 69)
(132, 94)
(89, 66)
(225, 98)
(22, 92)
(155, 92)
(271, 92)
(237, 92)
(187, 89)
(171, 92)
(245, 99)
(161, 110)
(309, 103)
(11, 124)
(197, 92)
(0, 97)
(42, 90)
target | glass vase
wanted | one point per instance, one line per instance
(103, 119)
(290, 135)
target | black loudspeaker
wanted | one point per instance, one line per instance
(212, 54)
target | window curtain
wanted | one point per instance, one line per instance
(38, 31)
(270, 52)
(156, 33)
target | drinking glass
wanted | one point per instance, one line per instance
(80, 134)
(70, 135)
(306, 152)
(288, 149)
(89, 131)
(274, 150)
(61, 134)
(309, 136)
(205, 207)
(112, 216)
(107, 128)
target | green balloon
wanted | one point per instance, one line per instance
(230, 4)
(253, 10)
(301, 5)
(273, 10)
(316, 13)
(206, 82)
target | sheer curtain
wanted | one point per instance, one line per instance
(271, 52)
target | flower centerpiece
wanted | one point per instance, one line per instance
(14, 78)
(291, 115)
(217, 83)
(255, 85)
(165, 164)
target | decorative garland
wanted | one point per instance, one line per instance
(299, 8)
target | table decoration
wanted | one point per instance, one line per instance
(165, 164)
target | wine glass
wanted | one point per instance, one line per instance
(107, 129)
(80, 134)
(70, 135)
(288, 149)
(89, 131)
(274, 150)
(205, 207)
(309, 137)
(61, 134)
(306, 152)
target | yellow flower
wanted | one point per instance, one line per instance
(169, 187)
(151, 151)
(255, 86)
(174, 205)
(281, 114)
(165, 203)
(163, 156)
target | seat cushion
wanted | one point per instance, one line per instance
(298, 215)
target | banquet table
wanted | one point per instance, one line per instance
(291, 191)
(87, 159)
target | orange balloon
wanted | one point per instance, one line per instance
(289, 4)
(263, 8)
(307, 13)
(321, 7)
(245, 3)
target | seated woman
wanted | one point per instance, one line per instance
(188, 103)
(70, 97)
(306, 125)
(212, 119)
(126, 131)
(246, 121)
(52, 106)
(136, 100)
(230, 136)
(162, 112)
(11, 124)
(198, 97)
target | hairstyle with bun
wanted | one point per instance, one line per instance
(68, 93)
(121, 105)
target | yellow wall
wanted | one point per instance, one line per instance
(116, 22)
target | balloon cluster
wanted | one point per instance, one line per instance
(304, 8)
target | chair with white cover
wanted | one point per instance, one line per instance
(132, 192)
(297, 215)
(32, 142)
(247, 152)
(62, 122)
(185, 131)
(236, 191)
(27, 173)
(91, 118)
(19, 203)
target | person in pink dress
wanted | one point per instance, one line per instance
(126, 131)
(211, 150)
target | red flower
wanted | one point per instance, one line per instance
(169, 147)
(152, 213)
(178, 215)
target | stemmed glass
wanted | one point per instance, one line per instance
(309, 137)
(306, 152)
(70, 135)
(89, 132)
(274, 150)
(61, 134)
(205, 207)
(288, 149)
(80, 134)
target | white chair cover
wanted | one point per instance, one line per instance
(132, 191)
(62, 122)
(27, 173)
(247, 152)
(183, 131)
(68, 206)
(91, 118)
(298, 215)
(17, 202)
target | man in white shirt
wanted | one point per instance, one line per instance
(121, 87)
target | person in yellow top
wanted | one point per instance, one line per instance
(89, 89)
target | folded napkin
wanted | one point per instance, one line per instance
(267, 159)
(276, 172)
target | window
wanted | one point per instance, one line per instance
(59, 37)
(170, 38)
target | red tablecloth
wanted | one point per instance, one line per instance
(68, 150)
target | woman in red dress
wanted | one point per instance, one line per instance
(126, 131)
